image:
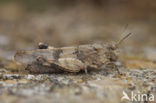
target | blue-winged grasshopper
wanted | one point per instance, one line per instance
(47, 59)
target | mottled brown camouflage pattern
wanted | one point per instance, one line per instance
(69, 59)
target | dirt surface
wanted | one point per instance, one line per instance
(138, 74)
(23, 25)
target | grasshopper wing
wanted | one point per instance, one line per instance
(62, 64)
(70, 64)
(30, 56)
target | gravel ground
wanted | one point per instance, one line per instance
(98, 86)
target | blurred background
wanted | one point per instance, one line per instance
(25, 23)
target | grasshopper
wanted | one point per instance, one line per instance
(47, 59)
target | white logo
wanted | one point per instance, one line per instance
(137, 96)
(125, 96)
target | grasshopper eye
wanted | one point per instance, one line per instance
(112, 46)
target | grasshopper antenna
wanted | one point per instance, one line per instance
(122, 39)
